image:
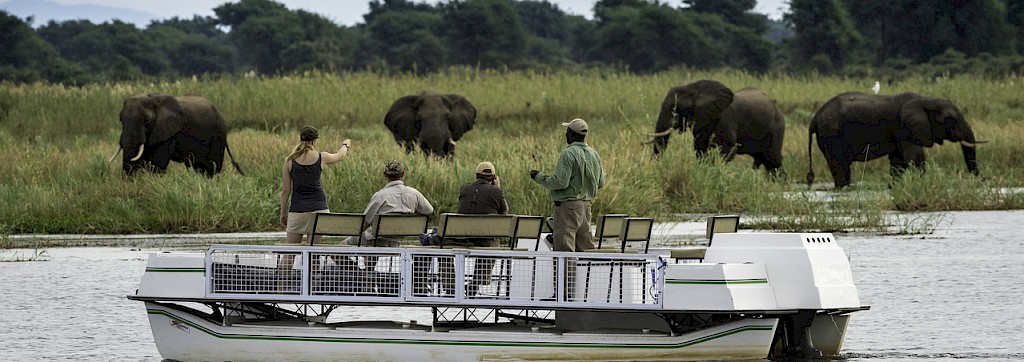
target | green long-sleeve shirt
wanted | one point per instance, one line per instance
(578, 174)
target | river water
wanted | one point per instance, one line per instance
(955, 294)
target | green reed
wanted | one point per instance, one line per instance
(56, 178)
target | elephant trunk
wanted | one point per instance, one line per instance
(969, 147)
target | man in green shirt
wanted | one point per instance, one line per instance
(578, 175)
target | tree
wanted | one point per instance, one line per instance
(485, 32)
(652, 37)
(116, 50)
(273, 39)
(26, 57)
(405, 40)
(826, 37)
(549, 40)
(736, 12)
(193, 46)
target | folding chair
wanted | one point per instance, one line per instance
(398, 226)
(527, 227)
(716, 225)
(454, 225)
(335, 224)
(609, 226)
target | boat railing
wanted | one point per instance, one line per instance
(500, 278)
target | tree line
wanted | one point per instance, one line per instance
(847, 37)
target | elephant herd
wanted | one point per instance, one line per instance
(850, 127)
(853, 126)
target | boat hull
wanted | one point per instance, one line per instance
(186, 337)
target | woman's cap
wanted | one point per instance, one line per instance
(577, 125)
(393, 167)
(485, 168)
(308, 133)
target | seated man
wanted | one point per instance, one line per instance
(483, 196)
(394, 198)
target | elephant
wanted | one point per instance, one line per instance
(158, 128)
(856, 126)
(434, 121)
(744, 122)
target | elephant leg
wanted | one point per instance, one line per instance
(840, 172)
(728, 152)
(770, 165)
(214, 161)
(410, 146)
(701, 143)
(162, 156)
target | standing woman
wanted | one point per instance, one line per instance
(301, 181)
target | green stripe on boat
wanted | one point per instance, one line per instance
(695, 341)
(176, 270)
(716, 282)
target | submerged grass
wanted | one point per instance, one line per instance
(56, 178)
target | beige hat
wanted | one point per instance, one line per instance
(577, 125)
(485, 168)
(393, 167)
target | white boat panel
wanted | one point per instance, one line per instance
(806, 270)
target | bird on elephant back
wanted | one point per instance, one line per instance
(431, 120)
(745, 122)
(158, 128)
(861, 127)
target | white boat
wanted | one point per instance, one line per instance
(754, 295)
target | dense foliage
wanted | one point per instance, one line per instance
(852, 37)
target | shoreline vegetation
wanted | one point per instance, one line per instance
(56, 179)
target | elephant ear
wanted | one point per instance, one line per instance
(915, 123)
(463, 115)
(712, 97)
(170, 118)
(401, 118)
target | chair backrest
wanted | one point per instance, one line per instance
(636, 229)
(453, 225)
(527, 227)
(608, 226)
(335, 224)
(722, 224)
(399, 225)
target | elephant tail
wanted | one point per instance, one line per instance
(810, 156)
(232, 157)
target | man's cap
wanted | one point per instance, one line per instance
(577, 125)
(308, 133)
(393, 167)
(485, 168)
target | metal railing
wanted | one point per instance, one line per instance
(497, 278)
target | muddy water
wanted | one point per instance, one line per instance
(955, 294)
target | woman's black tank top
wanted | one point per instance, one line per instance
(307, 193)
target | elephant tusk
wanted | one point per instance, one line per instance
(115, 154)
(972, 144)
(663, 133)
(451, 141)
(138, 156)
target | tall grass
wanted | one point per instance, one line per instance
(56, 178)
